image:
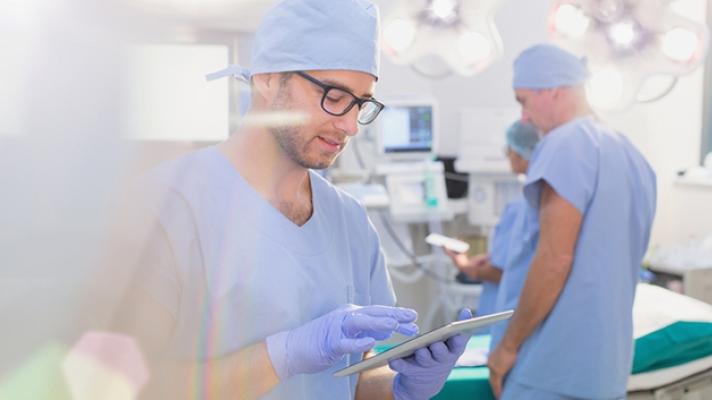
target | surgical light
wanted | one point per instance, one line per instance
(608, 11)
(445, 10)
(623, 34)
(571, 21)
(680, 44)
(399, 35)
(437, 38)
(626, 43)
(474, 47)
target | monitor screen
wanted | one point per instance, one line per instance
(407, 129)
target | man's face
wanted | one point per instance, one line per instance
(318, 142)
(537, 107)
(517, 163)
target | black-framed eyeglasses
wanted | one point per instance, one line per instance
(337, 101)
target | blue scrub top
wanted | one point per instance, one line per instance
(499, 248)
(233, 270)
(583, 348)
(515, 263)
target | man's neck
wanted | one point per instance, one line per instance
(575, 112)
(261, 162)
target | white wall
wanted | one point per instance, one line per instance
(668, 132)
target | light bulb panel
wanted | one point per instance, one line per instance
(638, 39)
(468, 46)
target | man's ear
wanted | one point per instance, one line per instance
(266, 86)
(557, 92)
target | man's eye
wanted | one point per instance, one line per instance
(334, 98)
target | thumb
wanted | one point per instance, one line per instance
(465, 313)
(397, 365)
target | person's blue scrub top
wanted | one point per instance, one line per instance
(499, 248)
(583, 348)
(232, 269)
(515, 263)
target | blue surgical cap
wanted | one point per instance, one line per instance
(303, 35)
(545, 66)
(522, 138)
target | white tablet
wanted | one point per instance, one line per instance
(449, 243)
(411, 345)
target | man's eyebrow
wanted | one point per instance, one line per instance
(341, 86)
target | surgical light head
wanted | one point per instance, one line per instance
(304, 35)
(522, 138)
(545, 66)
(440, 37)
(628, 43)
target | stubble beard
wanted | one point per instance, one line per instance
(289, 138)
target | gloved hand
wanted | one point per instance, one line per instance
(423, 374)
(318, 344)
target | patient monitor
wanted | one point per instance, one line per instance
(407, 141)
(407, 130)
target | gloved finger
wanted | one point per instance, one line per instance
(440, 352)
(400, 314)
(409, 329)
(360, 345)
(378, 336)
(356, 323)
(403, 365)
(423, 357)
(465, 313)
(457, 343)
(398, 365)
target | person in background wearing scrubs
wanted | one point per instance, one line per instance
(488, 268)
(591, 201)
(261, 278)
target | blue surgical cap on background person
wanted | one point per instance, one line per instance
(303, 35)
(545, 66)
(522, 138)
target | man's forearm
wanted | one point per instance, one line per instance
(375, 384)
(544, 284)
(560, 223)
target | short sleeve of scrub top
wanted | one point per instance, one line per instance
(567, 164)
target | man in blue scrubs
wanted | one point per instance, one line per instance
(261, 278)
(592, 199)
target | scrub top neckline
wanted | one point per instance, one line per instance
(238, 175)
(558, 131)
(309, 238)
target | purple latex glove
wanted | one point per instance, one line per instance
(423, 374)
(320, 343)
